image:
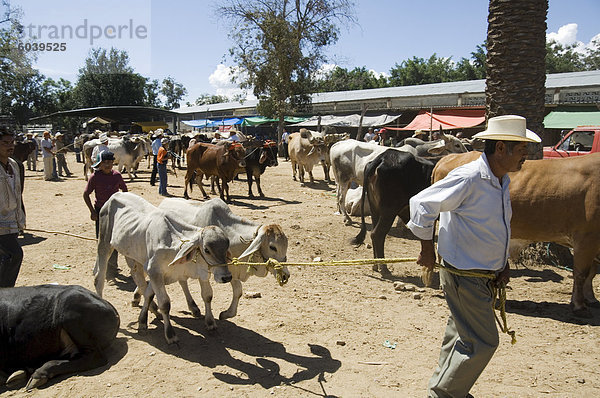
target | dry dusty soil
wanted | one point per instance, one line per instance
(324, 333)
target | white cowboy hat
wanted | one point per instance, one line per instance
(508, 128)
(103, 137)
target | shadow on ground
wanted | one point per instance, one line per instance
(212, 349)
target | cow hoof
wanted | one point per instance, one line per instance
(348, 222)
(196, 312)
(211, 325)
(173, 340)
(35, 383)
(224, 315)
(16, 379)
(375, 267)
(135, 303)
(582, 313)
(302, 184)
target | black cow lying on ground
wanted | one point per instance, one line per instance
(51, 330)
(390, 180)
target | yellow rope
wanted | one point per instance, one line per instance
(499, 293)
(60, 233)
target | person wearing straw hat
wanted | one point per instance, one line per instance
(156, 145)
(473, 205)
(102, 146)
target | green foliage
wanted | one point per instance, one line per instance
(173, 92)
(107, 79)
(279, 47)
(151, 94)
(561, 58)
(417, 71)
(207, 99)
(592, 57)
(340, 79)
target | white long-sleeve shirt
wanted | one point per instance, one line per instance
(475, 213)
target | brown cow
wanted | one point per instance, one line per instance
(221, 161)
(554, 200)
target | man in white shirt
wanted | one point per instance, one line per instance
(473, 205)
(12, 216)
(156, 145)
(48, 157)
(369, 135)
(102, 146)
(233, 137)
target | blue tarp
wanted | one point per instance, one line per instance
(201, 123)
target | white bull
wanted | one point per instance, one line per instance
(246, 239)
(128, 153)
(160, 245)
(305, 152)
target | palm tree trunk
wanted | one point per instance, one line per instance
(516, 69)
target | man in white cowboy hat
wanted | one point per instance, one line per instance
(473, 205)
(156, 145)
(102, 146)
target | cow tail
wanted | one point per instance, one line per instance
(191, 181)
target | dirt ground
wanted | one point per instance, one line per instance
(322, 334)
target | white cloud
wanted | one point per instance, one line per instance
(325, 70)
(379, 75)
(220, 79)
(567, 36)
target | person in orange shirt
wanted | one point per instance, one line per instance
(161, 161)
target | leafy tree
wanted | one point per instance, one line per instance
(473, 69)
(151, 91)
(206, 99)
(516, 73)
(592, 59)
(173, 92)
(20, 84)
(420, 71)
(279, 47)
(340, 79)
(107, 79)
(561, 58)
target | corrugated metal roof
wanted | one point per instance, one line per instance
(556, 80)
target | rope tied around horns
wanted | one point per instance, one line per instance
(498, 292)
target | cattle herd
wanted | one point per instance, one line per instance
(50, 330)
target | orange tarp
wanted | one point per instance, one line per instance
(446, 119)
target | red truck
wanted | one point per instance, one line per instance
(577, 142)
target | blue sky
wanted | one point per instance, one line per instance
(186, 40)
